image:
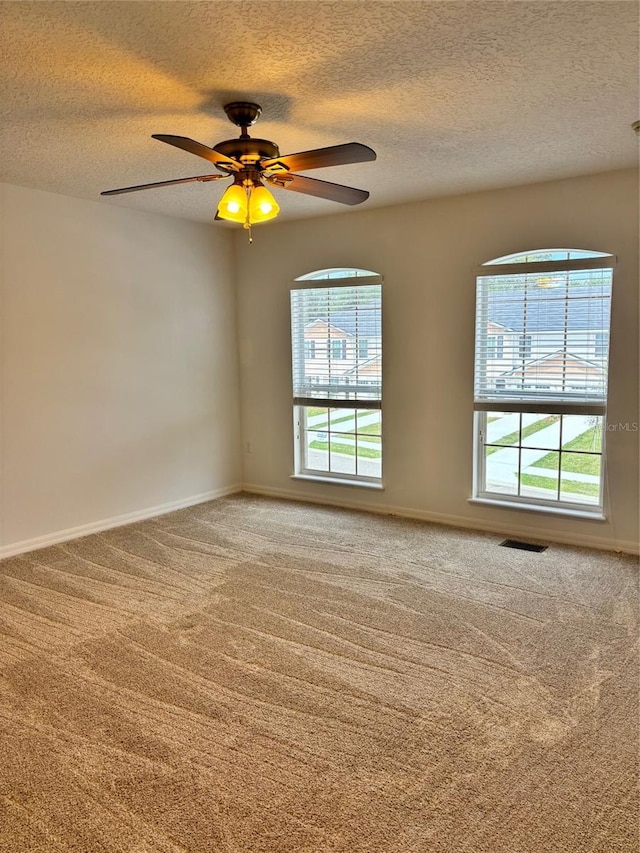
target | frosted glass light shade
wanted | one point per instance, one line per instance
(233, 204)
(262, 205)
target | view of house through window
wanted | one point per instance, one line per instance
(337, 374)
(542, 345)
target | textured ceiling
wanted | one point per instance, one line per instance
(453, 96)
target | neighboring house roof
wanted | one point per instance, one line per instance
(364, 320)
(496, 328)
(545, 311)
(370, 366)
(323, 324)
(556, 362)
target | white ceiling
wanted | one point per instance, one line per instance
(453, 96)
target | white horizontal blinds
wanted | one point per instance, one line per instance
(542, 335)
(337, 344)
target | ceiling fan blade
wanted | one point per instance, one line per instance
(319, 158)
(202, 178)
(320, 189)
(199, 150)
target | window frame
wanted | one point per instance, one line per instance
(322, 280)
(500, 400)
(527, 501)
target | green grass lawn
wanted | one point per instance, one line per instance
(590, 489)
(371, 429)
(347, 449)
(313, 412)
(334, 420)
(588, 441)
(511, 440)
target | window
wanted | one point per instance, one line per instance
(495, 346)
(337, 397)
(524, 346)
(338, 349)
(601, 349)
(540, 412)
(309, 349)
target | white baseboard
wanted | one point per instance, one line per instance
(528, 533)
(109, 523)
(543, 534)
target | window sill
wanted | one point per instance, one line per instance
(585, 515)
(337, 481)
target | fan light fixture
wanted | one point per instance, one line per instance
(548, 281)
(233, 204)
(247, 202)
(262, 205)
(251, 162)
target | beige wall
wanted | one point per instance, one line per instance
(427, 253)
(119, 366)
(119, 387)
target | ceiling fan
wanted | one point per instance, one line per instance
(251, 162)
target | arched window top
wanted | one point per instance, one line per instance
(543, 255)
(338, 272)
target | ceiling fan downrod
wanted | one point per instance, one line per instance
(243, 114)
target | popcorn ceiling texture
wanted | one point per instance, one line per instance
(454, 96)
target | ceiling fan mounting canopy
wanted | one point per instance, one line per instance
(243, 113)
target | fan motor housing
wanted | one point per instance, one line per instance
(248, 150)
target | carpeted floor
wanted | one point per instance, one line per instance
(257, 676)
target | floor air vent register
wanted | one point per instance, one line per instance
(523, 546)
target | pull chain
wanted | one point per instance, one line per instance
(247, 222)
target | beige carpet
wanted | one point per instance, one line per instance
(254, 675)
